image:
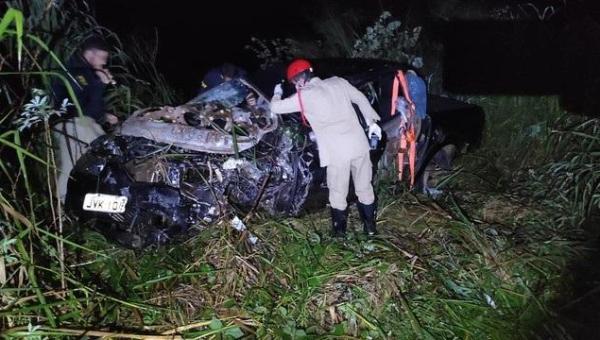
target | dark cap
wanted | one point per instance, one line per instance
(230, 70)
(94, 42)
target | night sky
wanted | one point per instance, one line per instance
(481, 57)
(193, 38)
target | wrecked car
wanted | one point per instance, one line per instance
(171, 170)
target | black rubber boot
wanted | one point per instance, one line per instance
(338, 222)
(367, 215)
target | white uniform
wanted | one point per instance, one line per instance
(343, 145)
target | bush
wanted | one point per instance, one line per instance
(385, 40)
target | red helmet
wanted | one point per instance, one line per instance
(296, 67)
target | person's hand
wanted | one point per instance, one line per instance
(105, 76)
(111, 119)
(374, 129)
(278, 90)
(251, 99)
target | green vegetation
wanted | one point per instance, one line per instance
(485, 261)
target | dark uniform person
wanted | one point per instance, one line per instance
(88, 78)
(218, 75)
(342, 143)
(226, 72)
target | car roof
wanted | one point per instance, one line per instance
(354, 70)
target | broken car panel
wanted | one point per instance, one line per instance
(177, 168)
(206, 123)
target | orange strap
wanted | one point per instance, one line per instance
(408, 138)
(394, 94)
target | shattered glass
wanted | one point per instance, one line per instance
(229, 94)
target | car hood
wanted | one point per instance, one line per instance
(216, 121)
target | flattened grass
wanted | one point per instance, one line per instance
(439, 272)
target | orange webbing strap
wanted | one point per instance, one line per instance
(400, 157)
(408, 138)
(412, 152)
(304, 121)
(394, 94)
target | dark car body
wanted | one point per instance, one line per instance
(173, 170)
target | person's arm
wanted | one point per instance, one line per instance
(287, 105)
(94, 107)
(361, 100)
(94, 104)
(104, 117)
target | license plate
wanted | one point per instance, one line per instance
(104, 203)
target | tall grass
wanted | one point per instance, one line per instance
(517, 128)
(39, 286)
(572, 175)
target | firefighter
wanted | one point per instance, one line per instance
(88, 78)
(343, 146)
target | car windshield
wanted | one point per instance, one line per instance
(229, 94)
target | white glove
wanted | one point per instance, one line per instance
(278, 91)
(374, 129)
(250, 99)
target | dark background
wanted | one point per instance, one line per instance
(481, 56)
(195, 36)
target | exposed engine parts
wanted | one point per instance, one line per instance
(171, 189)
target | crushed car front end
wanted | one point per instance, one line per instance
(182, 168)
